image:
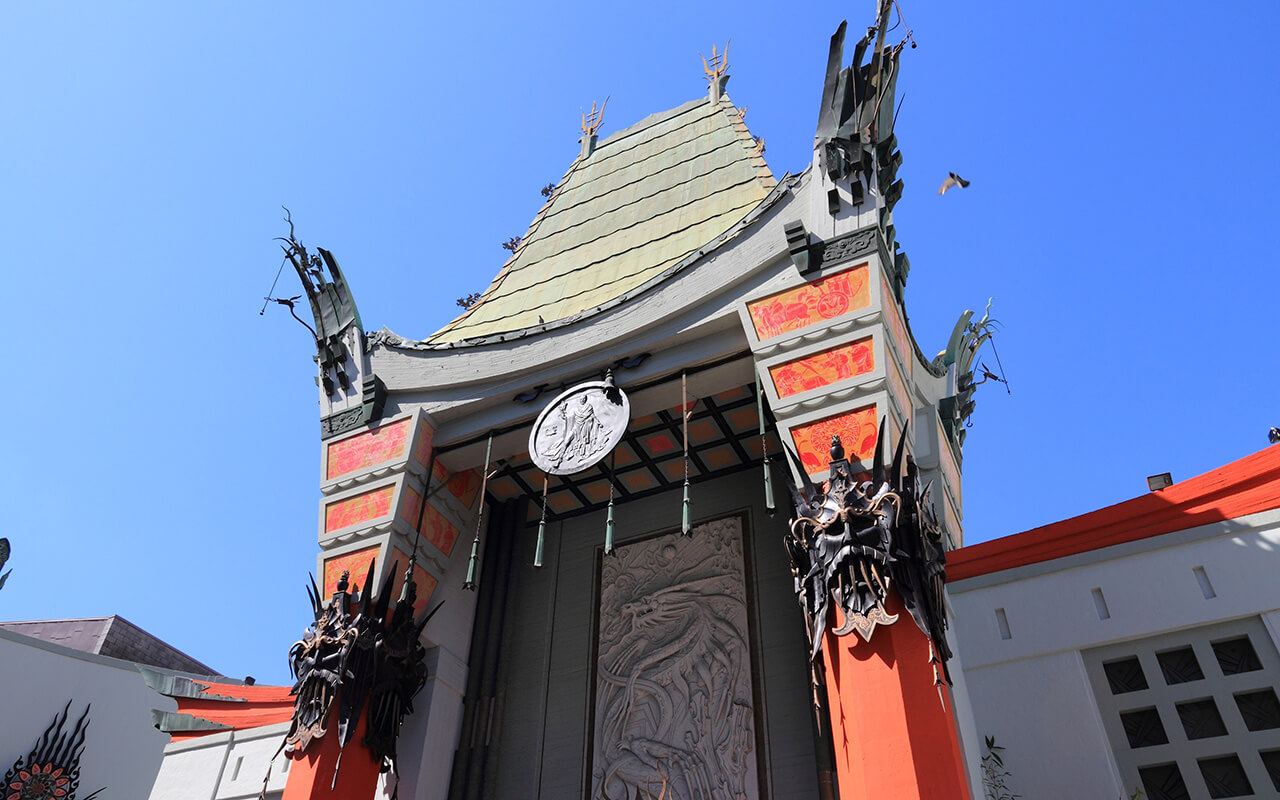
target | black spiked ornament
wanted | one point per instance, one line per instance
(853, 542)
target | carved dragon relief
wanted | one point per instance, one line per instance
(854, 541)
(674, 713)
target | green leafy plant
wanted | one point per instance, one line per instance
(995, 775)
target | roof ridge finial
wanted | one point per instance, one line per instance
(717, 71)
(590, 126)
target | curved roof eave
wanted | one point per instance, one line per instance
(388, 338)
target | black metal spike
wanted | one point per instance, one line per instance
(805, 484)
(318, 602)
(384, 597)
(896, 474)
(877, 468)
(366, 601)
(422, 623)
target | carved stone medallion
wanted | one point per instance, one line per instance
(579, 428)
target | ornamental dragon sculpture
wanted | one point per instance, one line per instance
(853, 541)
(364, 654)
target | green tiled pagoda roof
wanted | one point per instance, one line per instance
(646, 198)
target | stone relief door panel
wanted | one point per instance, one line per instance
(674, 712)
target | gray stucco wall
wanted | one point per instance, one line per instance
(542, 727)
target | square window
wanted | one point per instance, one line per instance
(1200, 719)
(1236, 656)
(1225, 776)
(1179, 666)
(1261, 710)
(1271, 759)
(1125, 675)
(1163, 782)
(1143, 728)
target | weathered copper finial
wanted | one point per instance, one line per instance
(716, 72)
(590, 126)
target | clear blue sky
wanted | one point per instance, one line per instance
(161, 457)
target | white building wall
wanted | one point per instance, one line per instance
(122, 750)
(227, 765)
(1030, 690)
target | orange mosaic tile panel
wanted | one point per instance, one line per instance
(857, 431)
(823, 299)
(366, 449)
(435, 528)
(899, 388)
(425, 581)
(893, 320)
(360, 508)
(462, 485)
(422, 448)
(356, 562)
(823, 369)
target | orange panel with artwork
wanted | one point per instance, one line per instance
(823, 369)
(435, 528)
(358, 508)
(356, 562)
(425, 580)
(364, 450)
(814, 302)
(462, 485)
(893, 320)
(857, 429)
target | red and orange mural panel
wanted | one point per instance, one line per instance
(823, 299)
(823, 369)
(360, 508)
(356, 562)
(422, 448)
(435, 528)
(857, 430)
(425, 580)
(898, 388)
(893, 320)
(463, 485)
(366, 449)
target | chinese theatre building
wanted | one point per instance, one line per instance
(681, 479)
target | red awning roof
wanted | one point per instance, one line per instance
(1242, 487)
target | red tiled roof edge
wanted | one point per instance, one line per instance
(1246, 486)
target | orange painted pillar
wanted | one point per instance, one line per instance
(311, 773)
(892, 736)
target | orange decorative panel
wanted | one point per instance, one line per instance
(857, 431)
(898, 388)
(823, 369)
(366, 449)
(422, 448)
(893, 319)
(425, 581)
(823, 299)
(369, 505)
(357, 563)
(435, 528)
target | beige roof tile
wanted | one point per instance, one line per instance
(646, 198)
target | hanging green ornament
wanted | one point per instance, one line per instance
(542, 524)
(470, 583)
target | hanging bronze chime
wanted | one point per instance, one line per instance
(470, 582)
(764, 448)
(542, 523)
(686, 526)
